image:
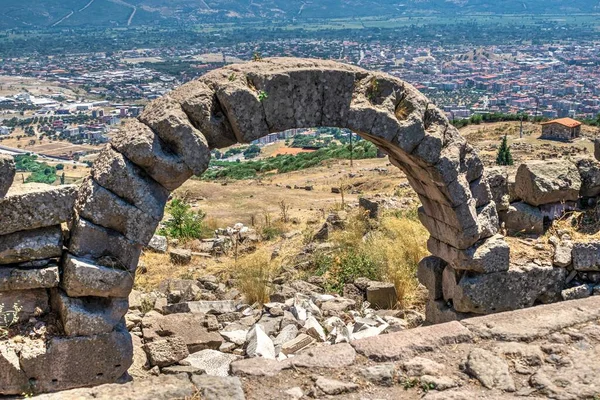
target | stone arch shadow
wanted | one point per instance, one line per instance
(121, 203)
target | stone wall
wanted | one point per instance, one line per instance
(528, 198)
(114, 213)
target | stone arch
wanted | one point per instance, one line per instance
(122, 202)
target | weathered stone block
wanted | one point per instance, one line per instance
(586, 256)
(165, 352)
(489, 255)
(429, 274)
(104, 208)
(114, 172)
(20, 305)
(188, 326)
(589, 170)
(87, 316)
(497, 177)
(382, 295)
(523, 218)
(145, 149)
(83, 278)
(510, 290)
(24, 279)
(158, 244)
(12, 378)
(7, 173)
(68, 363)
(168, 120)
(92, 241)
(38, 209)
(543, 182)
(25, 246)
(440, 312)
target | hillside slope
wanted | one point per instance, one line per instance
(118, 13)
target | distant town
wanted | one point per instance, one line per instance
(81, 98)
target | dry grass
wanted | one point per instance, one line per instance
(254, 274)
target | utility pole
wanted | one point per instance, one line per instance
(521, 133)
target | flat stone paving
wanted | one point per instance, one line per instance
(551, 351)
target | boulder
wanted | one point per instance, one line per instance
(66, 363)
(165, 352)
(82, 278)
(37, 244)
(213, 362)
(429, 274)
(87, 316)
(20, 305)
(145, 149)
(543, 182)
(524, 219)
(497, 178)
(586, 256)
(104, 208)
(7, 173)
(37, 209)
(259, 344)
(589, 170)
(519, 287)
(372, 206)
(189, 327)
(24, 279)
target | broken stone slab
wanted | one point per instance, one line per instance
(259, 344)
(497, 178)
(589, 169)
(12, 378)
(87, 316)
(189, 327)
(406, 344)
(491, 370)
(333, 387)
(145, 149)
(536, 322)
(429, 274)
(544, 182)
(204, 307)
(486, 256)
(382, 295)
(114, 172)
(258, 367)
(523, 218)
(21, 305)
(161, 387)
(314, 329)
(167, 119)
(31, 245)
(586, 256)
(24, 279)
(213, 362)
(158, 244)
(92, 241)
(380, 374)
(66, 363)
(219, 388)
(519, 287)
(167, 351)
(419, 366)
(37, 209)
(7, 173)
(83, 278)
(102, 207)
(325, 356)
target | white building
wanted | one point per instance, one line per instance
(4, 130)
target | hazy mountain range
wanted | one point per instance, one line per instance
(118, 13)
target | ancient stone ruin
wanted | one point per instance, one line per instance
(82, 272)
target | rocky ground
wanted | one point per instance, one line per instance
(550, 351)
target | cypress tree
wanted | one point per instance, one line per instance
(504, 157)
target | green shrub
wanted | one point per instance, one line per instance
(184, 223)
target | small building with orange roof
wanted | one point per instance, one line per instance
(561, 129)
